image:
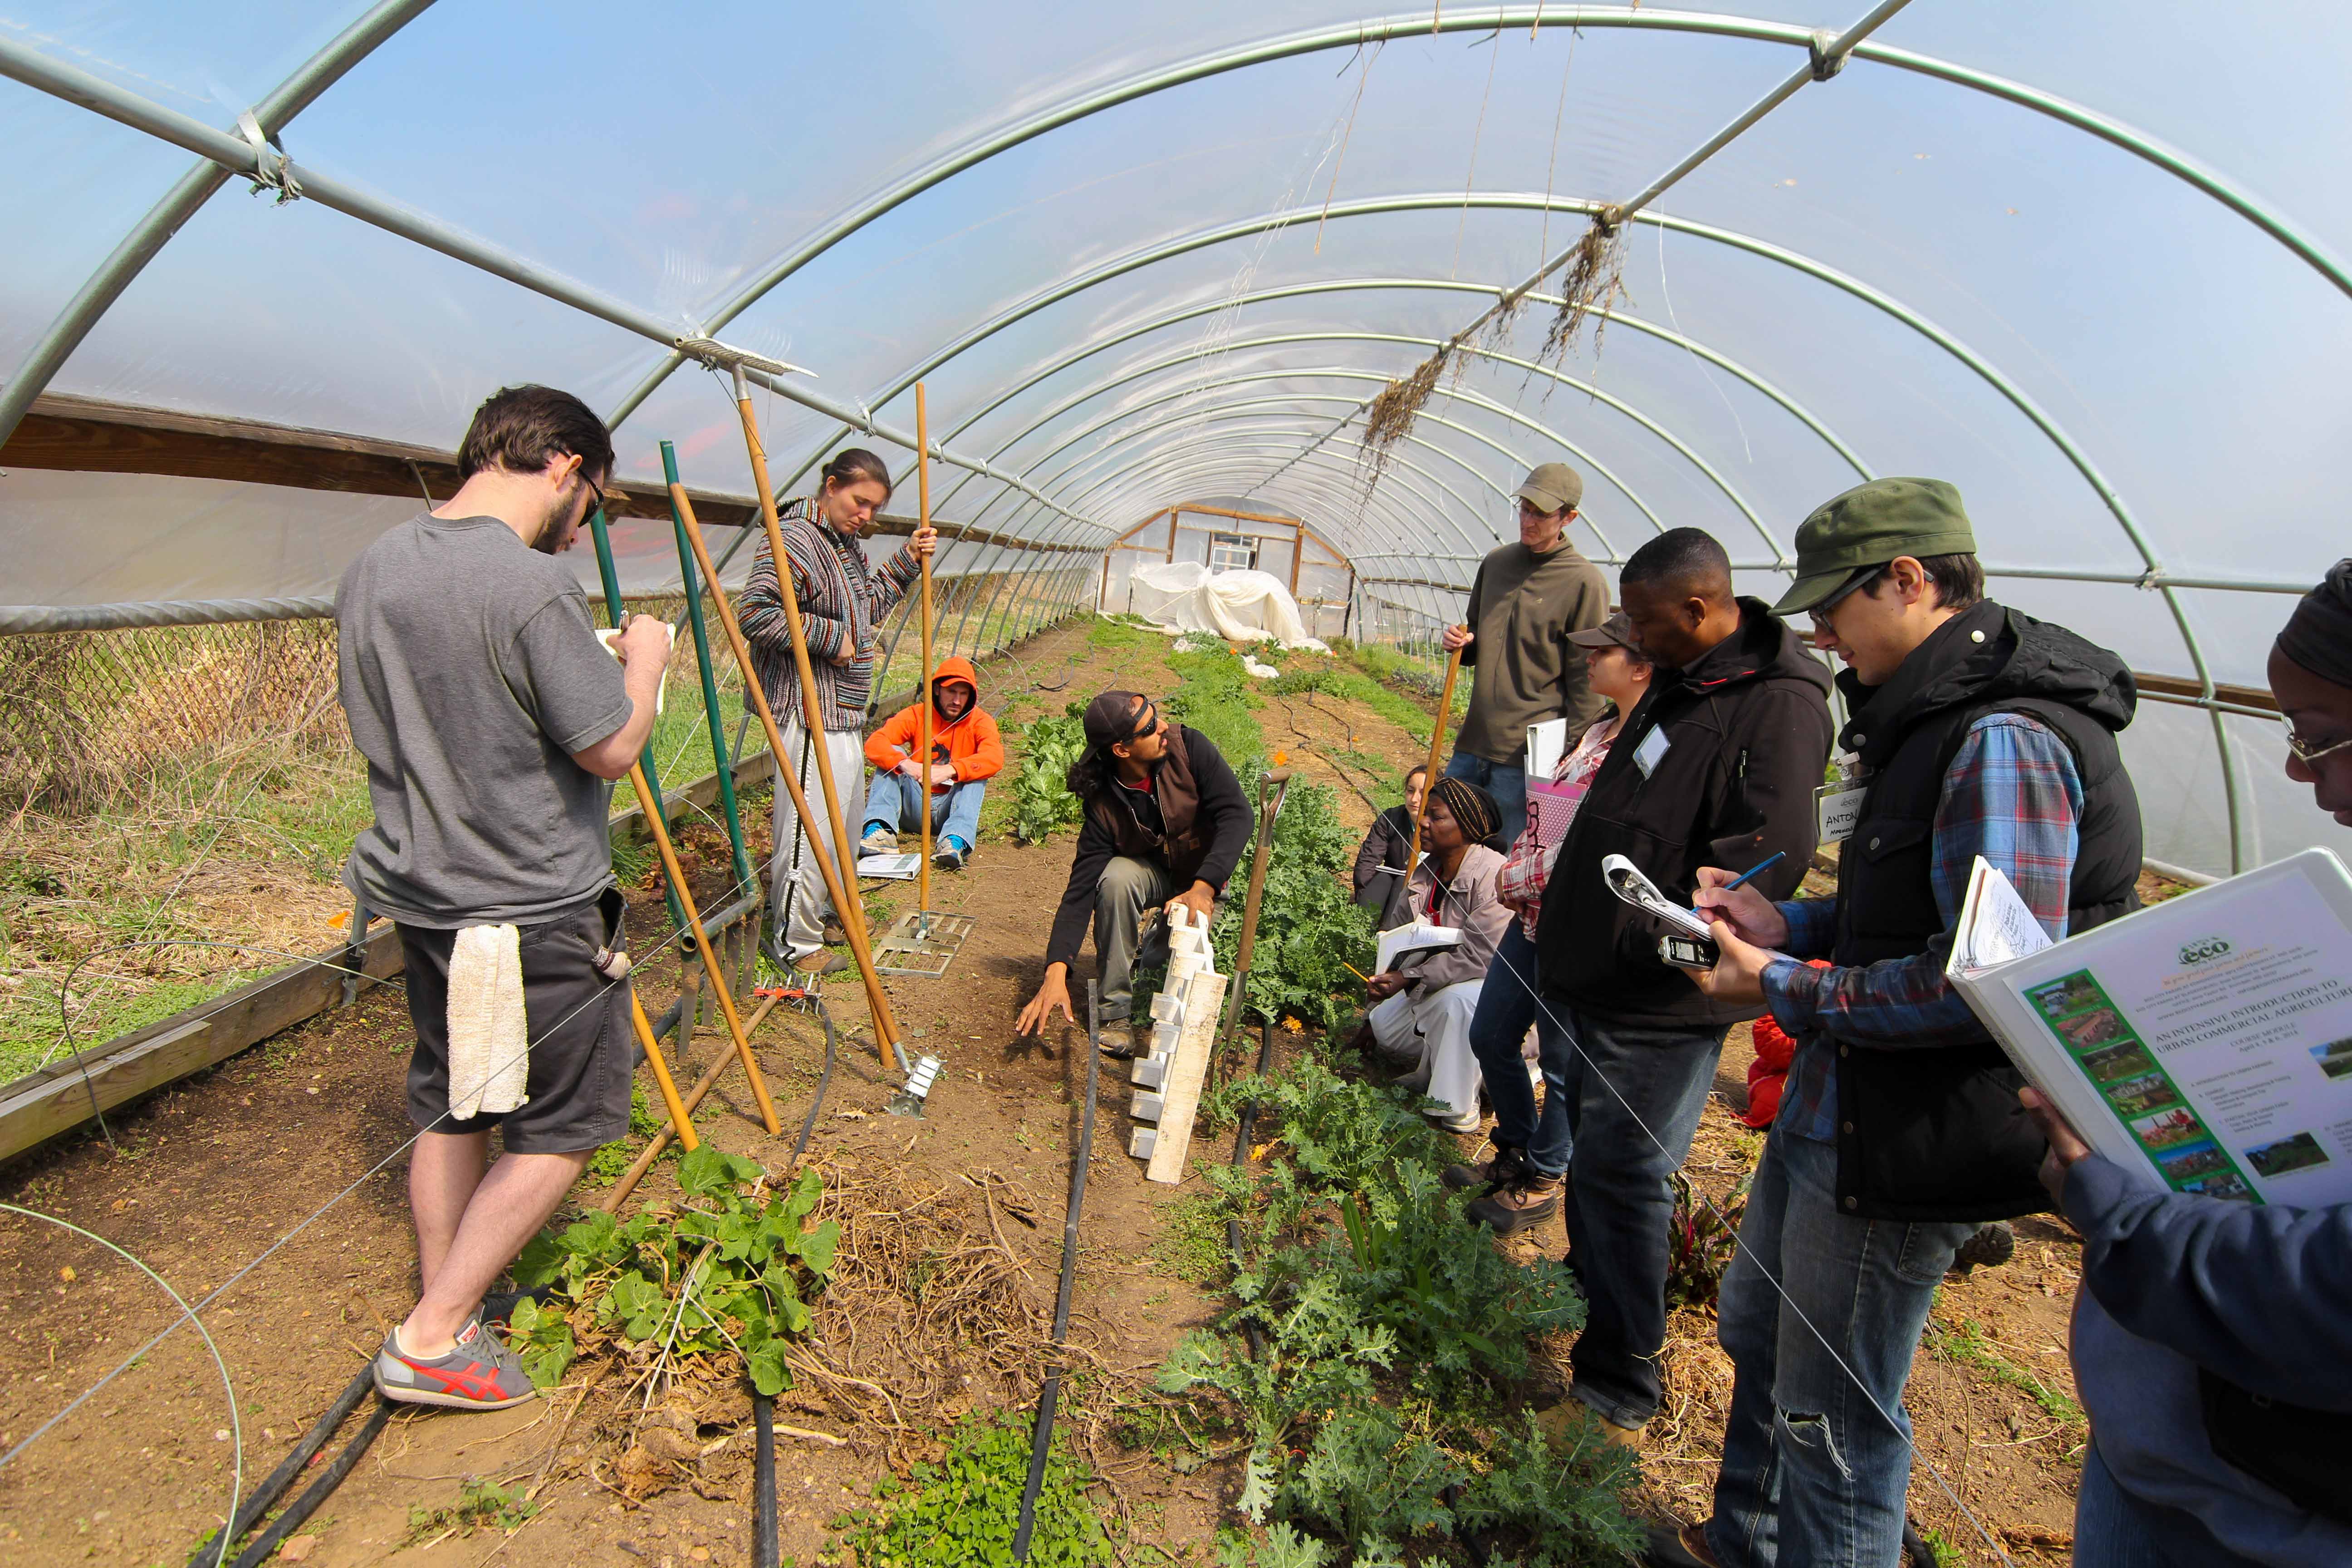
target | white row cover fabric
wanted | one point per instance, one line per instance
(1239, 607)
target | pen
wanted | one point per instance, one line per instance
(1767, 863)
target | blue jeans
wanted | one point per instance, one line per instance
(2114, 1529)
(1815, 1465)
(1506, 781)
(896, 801)
(1634, 1094)
(1506, 1005)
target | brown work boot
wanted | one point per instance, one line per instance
(1520, 1204)
(1571, 1421)
(1490, 1173)
(1683, 1546)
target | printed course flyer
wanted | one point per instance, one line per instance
(2227, 1056)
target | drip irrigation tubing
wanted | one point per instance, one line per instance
(766, 1549)
(319, 1491)
(1050, 1397)
(264, 1497)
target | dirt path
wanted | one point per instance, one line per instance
(203, 1178)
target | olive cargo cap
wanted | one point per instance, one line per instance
(1869, 525)
(1553, 487)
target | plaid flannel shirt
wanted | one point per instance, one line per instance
(2012, 795)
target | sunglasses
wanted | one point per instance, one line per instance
(594, 489)
(1860, 579)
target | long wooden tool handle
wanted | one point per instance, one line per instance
(757, 696)
(677, 1115)
(1278, 781)
(923, 684)
(851, 910)
(676, 875)
(661, 1139)
(1429, 775)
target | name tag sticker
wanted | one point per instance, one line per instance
(1653, 748)
(1836, 808)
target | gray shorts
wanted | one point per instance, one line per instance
(583, 1047)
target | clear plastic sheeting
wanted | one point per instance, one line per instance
(2086, 262)
(1240, 606)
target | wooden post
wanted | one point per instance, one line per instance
(1175, 519)
(678, 1117)
(1297, 549)
(1278, 780)
(923, 684)
(885, 1040)
(676, 875)
(1436, 735)
(852, 911)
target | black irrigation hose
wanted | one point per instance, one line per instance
(1047, 1401)
(816, 1103)
(318, 1491)
(267, 1494)
(766, 1550)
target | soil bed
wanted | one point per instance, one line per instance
(951, 1242)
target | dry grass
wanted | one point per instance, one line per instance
(1392, 415)
(1595, 277)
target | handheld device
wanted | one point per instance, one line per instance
(1688, 951)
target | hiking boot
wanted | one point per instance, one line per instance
(819, 962)
(1517, 1205)
(1490, 1173)
(951, 853)
(480, 1372)
(1570, 1421)
(1117, 1041)
(878, 840)
(1989, 1248)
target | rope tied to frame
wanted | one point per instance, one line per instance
(1827, 56)
(272, 169)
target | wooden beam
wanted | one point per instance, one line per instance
(1238, 516)
(1297, 549)
(1175, 521)
(1138, 528)
(87, 435)
(2185, 685)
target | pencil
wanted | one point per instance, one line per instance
(1356, 972)
(1764, 865)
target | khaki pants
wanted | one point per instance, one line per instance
(1125, 890)
(797, 887)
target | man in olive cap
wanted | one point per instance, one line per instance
(1165, 823)
(1527, 596)
(1975, 731)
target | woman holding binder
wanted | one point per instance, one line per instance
(2212, 1342)
(1422, 1020)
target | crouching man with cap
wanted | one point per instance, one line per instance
(1165, 823)
(1976, 731)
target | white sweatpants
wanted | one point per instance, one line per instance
(797, 887)
(1433, 1033)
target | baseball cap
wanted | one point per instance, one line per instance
(1617, 631)
(1869, 525)
(1111, 720)
(1553, 487)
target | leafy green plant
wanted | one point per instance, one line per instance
(734, 1270)
(1042, 800)
(1560, 1501)
(961, 1512)
(607, 1163)
(1309, 929)
(1702, 1239)
(1393, 1334)
(482, 1504)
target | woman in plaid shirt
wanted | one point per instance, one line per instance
(1523, 1177)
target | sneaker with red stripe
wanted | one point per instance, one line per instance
(480, 1372)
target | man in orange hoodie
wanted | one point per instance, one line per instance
(965, 749)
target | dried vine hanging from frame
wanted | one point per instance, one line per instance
(1595, 274)
(1391, 416)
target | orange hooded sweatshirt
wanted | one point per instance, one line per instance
(971, 743)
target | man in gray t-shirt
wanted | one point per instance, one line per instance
(492, 721)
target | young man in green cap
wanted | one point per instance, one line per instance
(1527, 596)
(1975, 731)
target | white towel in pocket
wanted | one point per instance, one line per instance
(489, 1033)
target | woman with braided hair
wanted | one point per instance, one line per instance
(1421, 1022)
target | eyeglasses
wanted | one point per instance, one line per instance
(2306, 754)
(1860, 579)
(594, 489)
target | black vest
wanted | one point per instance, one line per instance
(1937, 1134)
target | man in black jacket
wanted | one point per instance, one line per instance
(1975, 731)
(1716, 767)
(1165, 823)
